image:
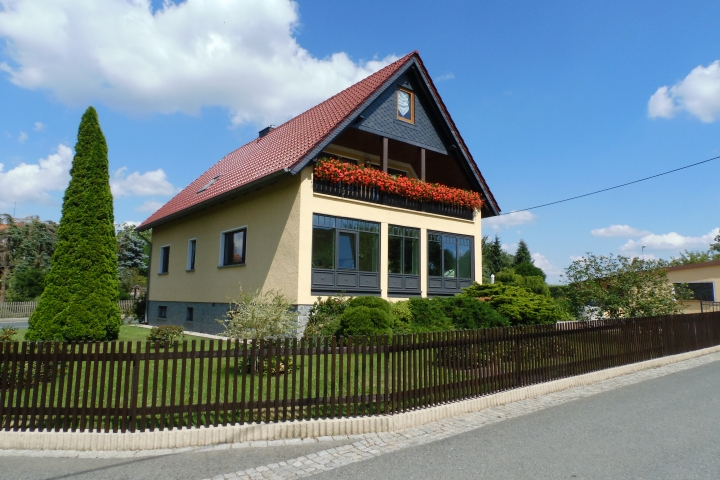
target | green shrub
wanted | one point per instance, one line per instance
(165, 334)
(363, 320)
(401, 316)
(529, 270)
(520, 306)
(468, 313)
(324, 318)
(7, 334)
(428, 315)
(535, 285)
(370, 302)
(259, 315)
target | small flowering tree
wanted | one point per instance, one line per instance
(335, 171)
(259, 315)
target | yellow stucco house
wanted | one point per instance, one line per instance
(703, 279)
(258, 217)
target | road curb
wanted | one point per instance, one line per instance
(206, 436)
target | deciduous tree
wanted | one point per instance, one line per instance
(620, 287)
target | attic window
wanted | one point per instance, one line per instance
(207, 185)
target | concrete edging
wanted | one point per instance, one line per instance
(205, 436)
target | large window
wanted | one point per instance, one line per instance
(450, 265)
(232, 247)
(164, 259)
(704, 291)
(403, 259)
(345, 254)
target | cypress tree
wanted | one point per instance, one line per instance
(80, 301)
(523, 254)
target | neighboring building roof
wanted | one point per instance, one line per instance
(292, 145)
(711, 263)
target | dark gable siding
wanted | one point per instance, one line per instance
(380, 118)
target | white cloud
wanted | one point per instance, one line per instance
(619, 231)
(141, 184)
(671, 241)
(509, 220)
(543, 263)
(149, 206)
(38, 126)
(240, 55)
(32, 182)
(698, 94)
(446, 76)
(575, 258)
(509, 247)
(22, 137)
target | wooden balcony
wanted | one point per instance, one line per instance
(373, 195)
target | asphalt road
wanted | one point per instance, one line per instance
(664, 428)
(14, 322)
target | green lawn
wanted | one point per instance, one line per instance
(128, 333)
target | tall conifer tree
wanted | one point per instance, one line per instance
(522, 255)
(80, 301)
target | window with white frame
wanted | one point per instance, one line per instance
(232, 247)
(192, 243)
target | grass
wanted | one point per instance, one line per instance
(128, 333)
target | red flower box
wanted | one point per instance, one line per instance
(335, 171)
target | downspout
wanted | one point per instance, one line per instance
(147, 282)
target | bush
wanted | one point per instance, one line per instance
(324, 319)
(469, 313)
(259, 315)
(519, 305)
(401, 316)
(428, 315)
(529, 270)
(7, 334)
(370, 302)
(364, 320)
(165, 334)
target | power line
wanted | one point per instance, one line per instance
(612, 188)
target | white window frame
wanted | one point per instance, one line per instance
(221, 256)
(189, 267)
(160, 266)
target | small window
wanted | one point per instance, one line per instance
(405, 105)
(189, 314)
(191, 255)
(208, 184)
(164, 259)
(162, 311)
(233, 247)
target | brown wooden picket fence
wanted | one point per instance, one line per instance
(25, 309)
(138, 386)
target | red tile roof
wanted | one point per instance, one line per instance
(287, 145)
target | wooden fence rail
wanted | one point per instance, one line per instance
(25, 309)
(137, 386)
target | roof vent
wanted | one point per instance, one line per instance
(265, 131)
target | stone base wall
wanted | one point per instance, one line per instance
(205, 316)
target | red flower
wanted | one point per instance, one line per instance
(335, 171)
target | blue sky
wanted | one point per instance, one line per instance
(554, 99)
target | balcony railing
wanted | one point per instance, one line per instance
(373, 195)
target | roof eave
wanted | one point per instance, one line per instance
(210, 202)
